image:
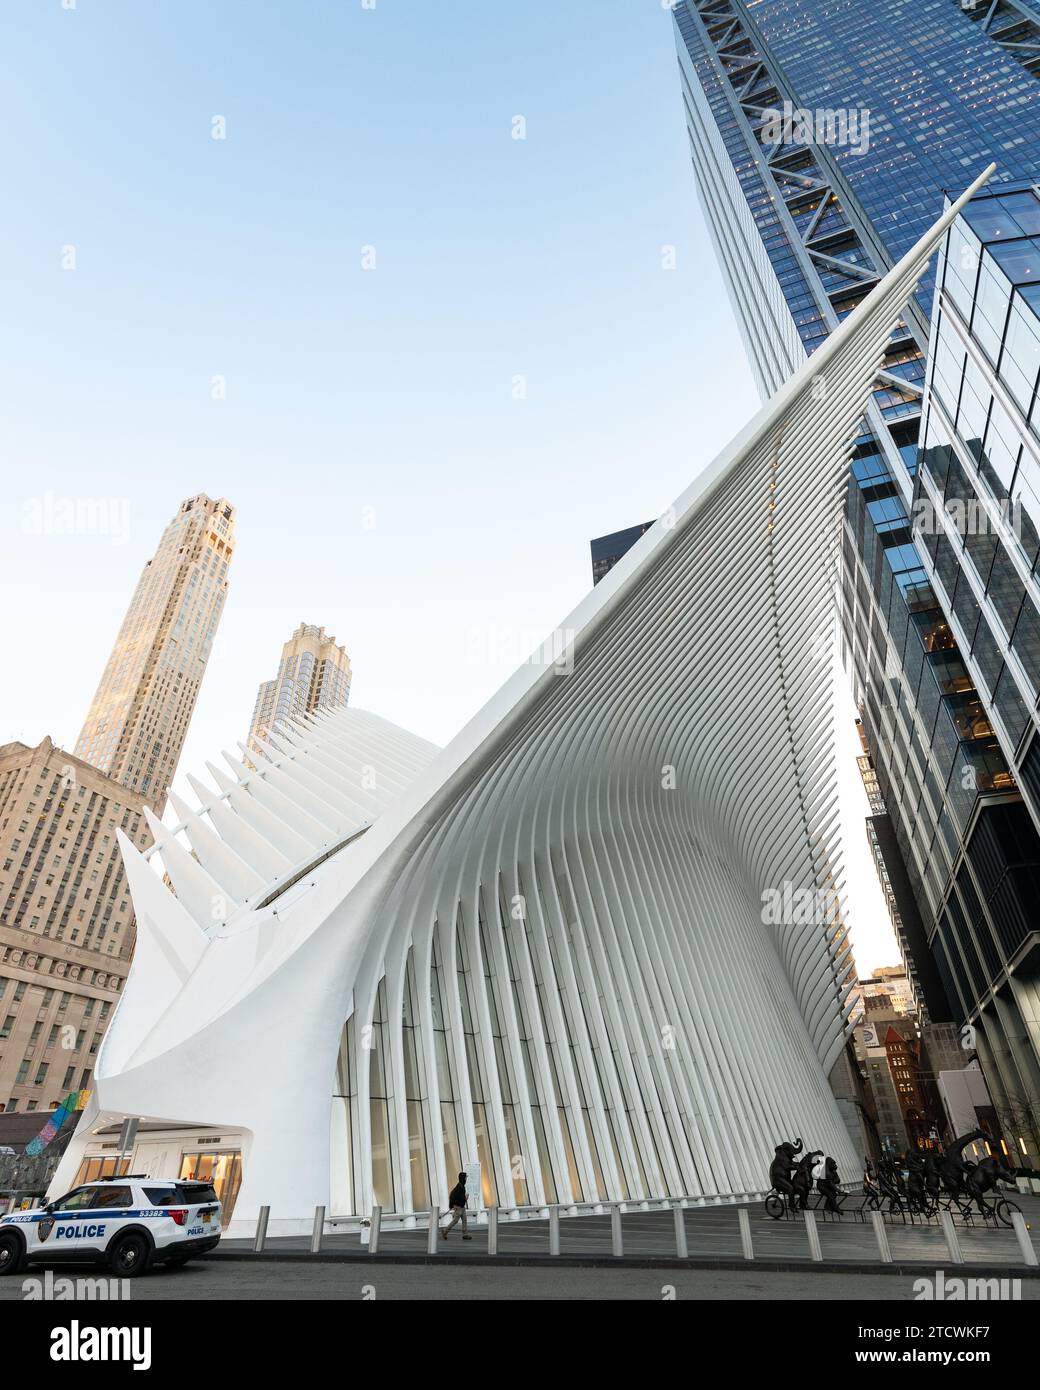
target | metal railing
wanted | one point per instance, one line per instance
(489, 1218)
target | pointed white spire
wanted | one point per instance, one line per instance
(218, 859)
(168, 937)
(266, 822)
(259, 853)
(264, 786)
(207, 900)
(305, 789)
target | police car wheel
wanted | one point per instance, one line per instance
(12, 1255)
(129, 1255)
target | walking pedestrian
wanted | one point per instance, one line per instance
(457, 1203)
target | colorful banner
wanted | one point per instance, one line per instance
(55, 1120)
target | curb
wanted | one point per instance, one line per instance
(903, 1267)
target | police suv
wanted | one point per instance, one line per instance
(130, 1223)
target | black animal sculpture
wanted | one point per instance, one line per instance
(802, 1180)
(984, 1176)
(830, 1186)
(783, 1165)
(888, 1179)
(952, 1167)
(932, 1181)
(915, 1184)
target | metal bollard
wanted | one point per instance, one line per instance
(881, 1236)
(814, 1235)
(433, 1235)
(746, 1244)
(318, 1230)
(1024, 1243)
(953, 1245)
(616, 1243)
(261, 1229)
(680, 1232)
(373, 1239)
(554, 1230)
(492, 1237)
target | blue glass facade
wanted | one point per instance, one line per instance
(944, 99)
(905, 102)
(608, 550)
(977, 522)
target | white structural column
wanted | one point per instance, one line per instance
(543, 949)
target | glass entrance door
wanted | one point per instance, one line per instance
(223, 1170)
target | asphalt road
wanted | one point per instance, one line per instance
(218, 1280)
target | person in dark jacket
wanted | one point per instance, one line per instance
(457, 1203)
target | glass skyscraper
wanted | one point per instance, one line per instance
(608, 550)
(825, 136)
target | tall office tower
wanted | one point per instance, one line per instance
(139, 716)
(976, 522)
(824, 135)
(66, 921)
(313, 674)
(608, 550)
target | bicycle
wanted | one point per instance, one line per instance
(818, 1203)
(777, 1205)
(999, 1212)
(1004, 1209)
(960, 1203)
(885, 1200)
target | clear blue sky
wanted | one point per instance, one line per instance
(347, 388)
